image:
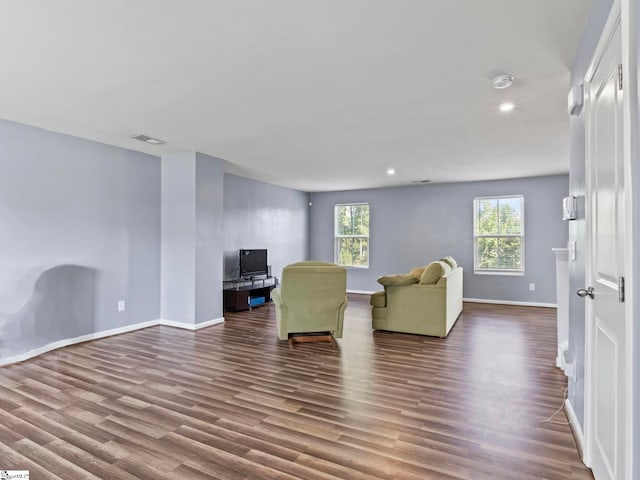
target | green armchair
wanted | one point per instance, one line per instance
(311, 298)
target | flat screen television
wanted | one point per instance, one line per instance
(253, 262)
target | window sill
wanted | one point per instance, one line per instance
(512, 273)
(353, 267)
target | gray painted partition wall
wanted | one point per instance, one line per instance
(178, 240)
(410, 226)
(80, 231)
(595, 23)
(81, 225)
(191, 261)
(262, 215)
(209, 224)
(597, 18)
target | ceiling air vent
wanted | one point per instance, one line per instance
(417, 182)
(148, 139)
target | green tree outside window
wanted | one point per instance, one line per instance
(352, 235)
(499, 234)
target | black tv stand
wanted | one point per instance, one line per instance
(242, 294)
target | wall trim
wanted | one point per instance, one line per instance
(208, 323)
(102, 334)
(189, 326)
(511, 302)
(575, 428)
(72, 341)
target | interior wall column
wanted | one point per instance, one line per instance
(191, 239)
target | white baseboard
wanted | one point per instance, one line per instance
(105, 333)
(208, 323)
(189, 326)
(575, 427)
(361, 292)
(72, 341)
(511, 302)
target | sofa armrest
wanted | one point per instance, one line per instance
(341, 309)
(276, 296)
(281, 314)
(378, 299)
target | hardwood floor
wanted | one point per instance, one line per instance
(232, 402)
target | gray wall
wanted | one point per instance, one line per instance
(599, 12)
(595, 23)
(80, 231)
(411, 226)
(178, 265)
(191, 264)
(634, 52)
(209, 250)
(262, 215)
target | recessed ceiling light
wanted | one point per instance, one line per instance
(506, 106)
(148, 139)
(502, 81)
(391, 171)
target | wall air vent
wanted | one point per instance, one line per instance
(148, 139)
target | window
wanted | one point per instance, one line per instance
(499, 235)
(352, 235)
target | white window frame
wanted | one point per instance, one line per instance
(336, 237)
(521, 235)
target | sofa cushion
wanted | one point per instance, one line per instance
(433, 272)
(379, 299)
(402, 279)
(417, 272)
(450, 261)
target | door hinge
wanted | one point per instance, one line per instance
(620, 76)
(621, 289)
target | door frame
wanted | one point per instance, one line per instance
(623, 12)
(630, 13)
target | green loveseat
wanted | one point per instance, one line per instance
(426, 301)
(312, 298)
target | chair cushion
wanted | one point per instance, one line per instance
(451, 261)
(417, 272)
(378, 299)
(402, 279)
(433, 272)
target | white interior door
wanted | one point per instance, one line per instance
(605, 420)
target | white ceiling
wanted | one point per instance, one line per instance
(311, 94)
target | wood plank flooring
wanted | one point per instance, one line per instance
(232, 402)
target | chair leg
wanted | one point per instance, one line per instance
(312, 338)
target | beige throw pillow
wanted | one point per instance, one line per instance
(433, 272)
(450, 261)
(417, 272)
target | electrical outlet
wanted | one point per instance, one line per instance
(532, 287)
(121, 305)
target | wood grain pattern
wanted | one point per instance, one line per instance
(233, 402)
